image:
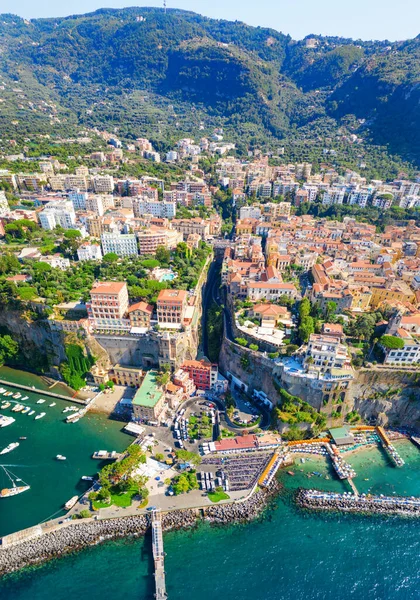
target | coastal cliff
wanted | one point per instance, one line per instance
(391, 397)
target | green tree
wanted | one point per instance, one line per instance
(163, 255)
(110, 258)
(391, 342)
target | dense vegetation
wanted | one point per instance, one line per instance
(166, 75)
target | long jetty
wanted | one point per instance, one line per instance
(42, 392)
(158, 555)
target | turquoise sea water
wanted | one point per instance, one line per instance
(287, 555)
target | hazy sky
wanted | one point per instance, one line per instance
(365, 19)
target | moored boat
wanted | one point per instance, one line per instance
(5, 405)
(60, 457)
(70, 503)
(26, 410)
(15, 489)
(40, 416)
(5, 421)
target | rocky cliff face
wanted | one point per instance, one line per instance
(391, 397)
(35, 338)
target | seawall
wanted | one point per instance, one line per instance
(76, 535)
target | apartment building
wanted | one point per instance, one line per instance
(171, 306)
(103, 184)
(157, 208)
(78, 199)
(188, 226)
(333, 196)
(120, 244)
(108, 306)
(150, 239)
(58, 213)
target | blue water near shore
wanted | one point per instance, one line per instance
(287, 555)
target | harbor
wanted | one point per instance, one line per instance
(51, 481)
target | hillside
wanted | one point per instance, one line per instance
(162, 76)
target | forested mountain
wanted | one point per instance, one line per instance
(156, 74)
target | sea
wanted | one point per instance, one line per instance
(287, 554)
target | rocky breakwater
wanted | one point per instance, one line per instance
(68, 538)
(239, 512)
(383, 505)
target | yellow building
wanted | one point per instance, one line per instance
(399, 293)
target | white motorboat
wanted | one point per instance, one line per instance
(60, 457)
(9, 448)
(41, 415)
(5, 421)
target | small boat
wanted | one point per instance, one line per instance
(302, 460)
(15, 489)
(8, 394)
(70, 503)
(25, 398)
(5, 405)
(40, 401)
(66, 410)
(52, 404)
(60, 457)
(40, 415)
(9, 448)
(26, 410)
(23, 437)
(290, 473)
(30, 413)
(18, 408)
(17, 396)
(75, 420)
(87, 478)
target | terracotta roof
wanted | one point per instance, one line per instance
(107, 287)
(172, 296)
(142, 306)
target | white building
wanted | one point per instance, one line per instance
(78, 199)
(360, 197)
(410, 202)
(333, 196)
(120, 244)
(103, 184)
(327, 352)
(172, 156)
(58, 213)
(250, 212)
(89, 252)
(56, 262)
(94, 204)
(160, 208)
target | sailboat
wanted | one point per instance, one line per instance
(15, 489)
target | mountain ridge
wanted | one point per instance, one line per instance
(254, 80)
